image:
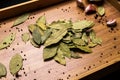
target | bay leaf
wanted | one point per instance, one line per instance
(49, 52)
(75, 55)
(95, 39)
(77, 35)
(46, 35)
(54, 30)
(91, 45)
(78, 41)
(70, 33)
(60, 24)
(15, 64)
(3, 71)
(42, 26)
(32, 27)
(41, 19)
(71, 45)
(84, 48)
(60, 58)
(21, 19)
(41, 22)
(7, 41)
(85, 37)
(65, 49)
(56, 37)
(66, 39)
(76, 31)
(33, 43)
(101, 10)
(25, 37)
(92, 35)
(36, 35)
(83, 24)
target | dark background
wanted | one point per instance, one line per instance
(6, 3)
(115, 75)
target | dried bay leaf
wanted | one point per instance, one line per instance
(3, 71)
(56, 37)
(70, 33)
(25, 37)
(85, 37)
(92, 34)
(42, 26)
(76, 30)
(75, 55)
(36, 35)
(77, 35)
(49, 52)
(15, 64)
(84, 48)
(78, 41)
(7, 41)
(60, 57)
(60, 25)
(94, 39)
(83, 24)
(101, 10)
(41, 19)
(65, 49)
(63, 36)
(41, 22)
(46, 35)
(32, 27)
(71, 45)
(33, 43)
(97, 41)
(67, 39)
(91, 45)
(21, 19)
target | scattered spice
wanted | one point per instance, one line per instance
(115, 38)
(76, 74)
(48, 71)
(96, 16)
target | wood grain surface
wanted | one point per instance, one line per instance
(34, 68)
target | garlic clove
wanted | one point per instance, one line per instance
(90, 9)
(112, 23)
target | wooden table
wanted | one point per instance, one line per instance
(34, 68)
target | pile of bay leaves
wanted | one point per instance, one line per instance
(63, 38)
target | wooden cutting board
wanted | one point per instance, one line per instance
(34, 68)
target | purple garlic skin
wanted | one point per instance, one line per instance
(90, 9)
(111, 23)
(80, 4)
